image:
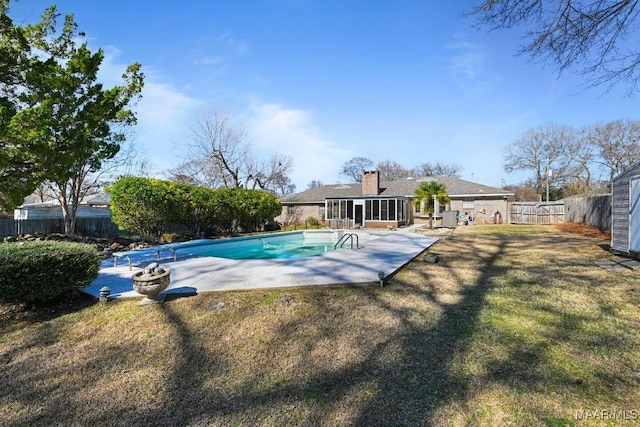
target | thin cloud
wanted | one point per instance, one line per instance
(211, 60)
(468, 59)
(162, 103)
(111, 69)
(238, 45)
(291, 132)
(164, 117)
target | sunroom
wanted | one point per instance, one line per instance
(367, 212)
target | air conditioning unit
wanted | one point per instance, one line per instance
(450, 219)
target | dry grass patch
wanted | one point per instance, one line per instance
(513, 326)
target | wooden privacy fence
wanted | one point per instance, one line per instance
(90, 227)
(536, 212)
(594, 211)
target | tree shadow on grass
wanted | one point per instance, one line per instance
(402, 374)
(401, 390)
(17, 313)
(422, 381)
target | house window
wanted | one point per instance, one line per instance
(335, 209)
(467, 203)
(321, 211)
(291, 210)
(384, 210)
(417, 207)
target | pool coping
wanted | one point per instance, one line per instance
(341, 267)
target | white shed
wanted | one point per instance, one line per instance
(625, 212)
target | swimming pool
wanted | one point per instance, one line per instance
(383, 251)
(288, 245)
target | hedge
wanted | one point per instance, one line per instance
(41, 271)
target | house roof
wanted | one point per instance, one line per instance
(90, 200)
(455, 188)
(97, 199)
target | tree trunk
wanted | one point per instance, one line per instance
(68, 212)
(68, 224)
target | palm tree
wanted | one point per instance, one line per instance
(426, 192)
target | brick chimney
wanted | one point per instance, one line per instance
(370, 183)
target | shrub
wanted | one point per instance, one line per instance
(146, 206)
(42, 271)
(256, 208)
(272, 226)
(201, 209)
(312, 221)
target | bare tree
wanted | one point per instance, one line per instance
(391, 170)
(316, 183)
(286, 187)
(617, 144)
(523, 192)
(221, 149)
(42, 194)
(551, 149)
(355, 167)
(568, 33)
(582, 188)
(221, 156)
(196, 172)
(270, 174)
(581, 162)
(186, 173)
(437, 169)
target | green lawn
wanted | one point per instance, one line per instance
(514, 325)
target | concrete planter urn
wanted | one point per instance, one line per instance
(150, 282)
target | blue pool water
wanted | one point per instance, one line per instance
(274, 246)
(288, 250)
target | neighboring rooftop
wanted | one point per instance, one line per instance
(98, 199)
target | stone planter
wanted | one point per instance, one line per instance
(150, 282)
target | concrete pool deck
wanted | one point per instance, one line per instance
(340, 267)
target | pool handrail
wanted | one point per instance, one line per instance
(157, 249)
(344, 238)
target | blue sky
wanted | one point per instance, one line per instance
(325, 81)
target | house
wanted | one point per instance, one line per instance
(375, 204)
(625, 212)
(93, 206)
